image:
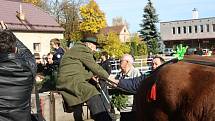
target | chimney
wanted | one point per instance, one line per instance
(3, 25)
(20, 14)
(195, 14)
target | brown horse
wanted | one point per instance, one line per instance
(185, 92)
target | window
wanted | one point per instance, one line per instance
(36, 47)
(184, 28)
(179, 30)
(201, 28)
(173, 30)
(190, 29)
(207, 28)
(196, 29)
(213, 27)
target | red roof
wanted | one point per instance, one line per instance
(36, 18)
(116, 29)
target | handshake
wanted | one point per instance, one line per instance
(111, 80)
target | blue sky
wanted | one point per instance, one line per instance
(168, 10)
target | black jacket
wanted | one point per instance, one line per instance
(17, 73)
(58, 54)
(107, 65)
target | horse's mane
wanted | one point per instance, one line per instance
(195, 59)
(200, 58)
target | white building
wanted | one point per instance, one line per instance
(195, 32)
(121, 31)
(34, 27)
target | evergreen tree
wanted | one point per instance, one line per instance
(142, 49)
(135, 41)
(134, 51)
(138, 47)
(154, 48)
(149, 31)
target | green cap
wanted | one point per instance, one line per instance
(91, 40)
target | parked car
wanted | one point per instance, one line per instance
(191, 51)
(205, 51)
(168, 52)
(213, 51)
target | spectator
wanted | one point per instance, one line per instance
(17, 74)
(76, 69)
(40, 66)
(50, 73)
(49, 67)
(128, 71)
(58, 51)
(106, 62)
(157, 61)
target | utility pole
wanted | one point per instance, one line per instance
(73, 17)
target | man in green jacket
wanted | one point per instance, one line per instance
(76, 69)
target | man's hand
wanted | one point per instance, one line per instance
(95, 78)
(113, 80)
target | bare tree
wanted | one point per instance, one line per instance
(66, 13)
(117, 21)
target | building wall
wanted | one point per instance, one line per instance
(43, 39)
(124, 35)
(166, 29)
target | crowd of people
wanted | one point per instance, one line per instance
(82, 80)
(74, 73)
(47, 71)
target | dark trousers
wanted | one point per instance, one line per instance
(128, 116)
(78, 112)
(98, 110)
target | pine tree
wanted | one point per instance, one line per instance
(138, 47)
(149, 31)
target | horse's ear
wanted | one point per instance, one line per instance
(3, 25)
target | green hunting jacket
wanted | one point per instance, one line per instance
(76, 68)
